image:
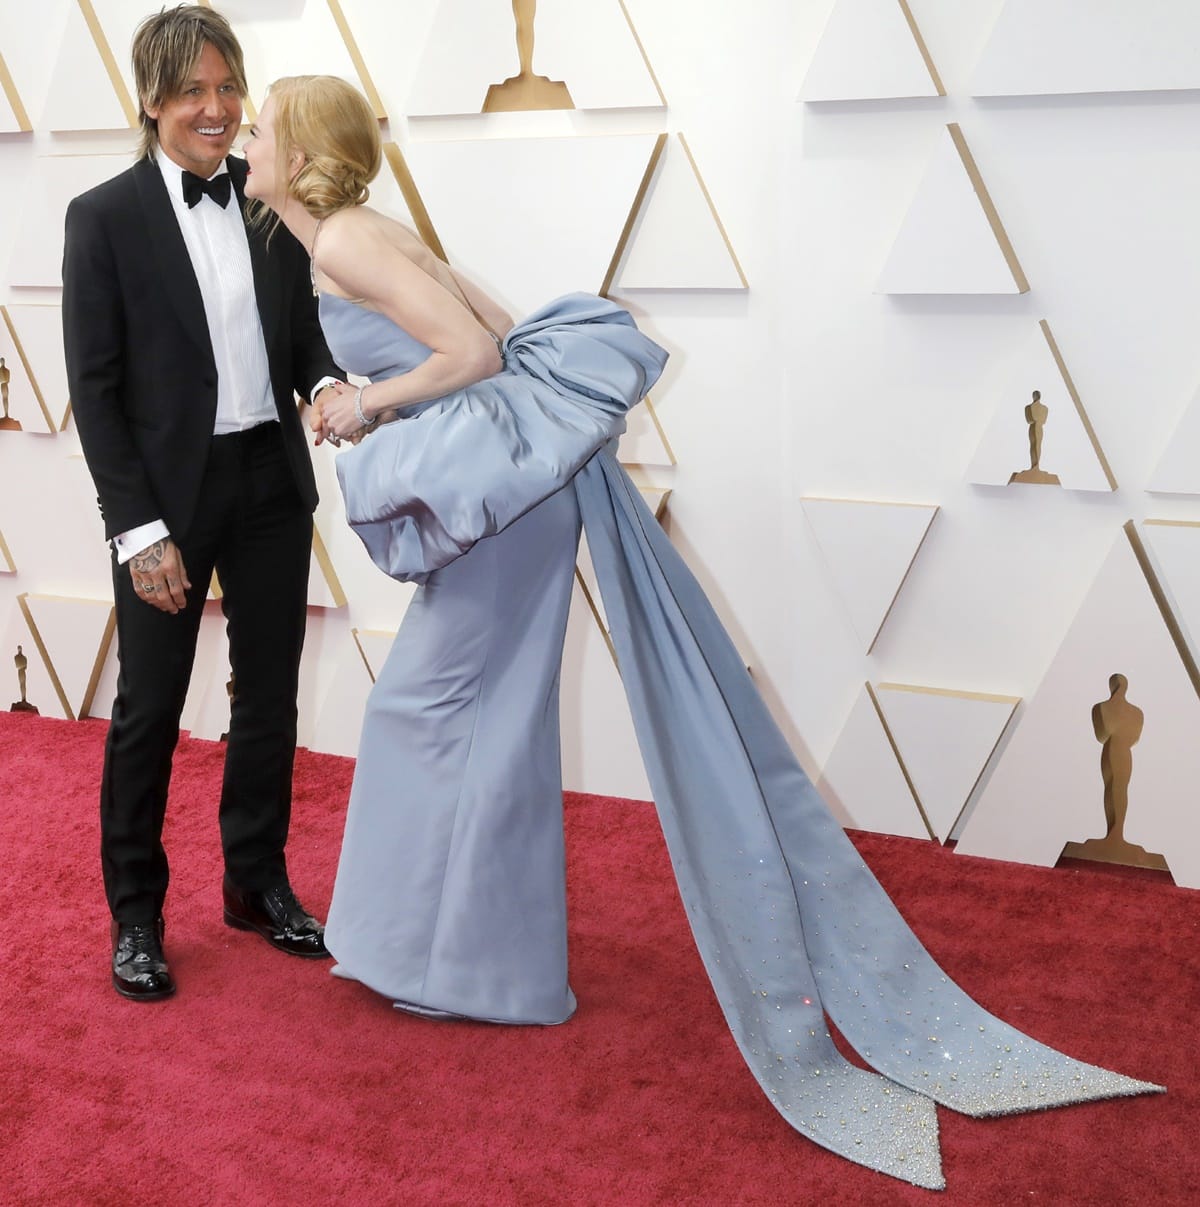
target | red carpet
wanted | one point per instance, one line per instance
(266, 1081)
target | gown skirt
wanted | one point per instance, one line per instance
(451, 891)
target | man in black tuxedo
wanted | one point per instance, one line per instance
(187, 335)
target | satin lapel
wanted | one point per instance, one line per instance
(171, 253)
(266, 283)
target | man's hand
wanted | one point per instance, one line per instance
(159, 576)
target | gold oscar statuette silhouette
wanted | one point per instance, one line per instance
(7, 423)
(21, 662)
(1036, 414)
(525, 91)
(1118, 725)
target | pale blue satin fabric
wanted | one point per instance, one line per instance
(789, 921)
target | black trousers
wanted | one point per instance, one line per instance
(252, 526)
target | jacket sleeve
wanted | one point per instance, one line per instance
(93, 313)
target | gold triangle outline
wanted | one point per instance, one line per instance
(89, 694)
(713, 209)
(6, 557)
(591, 603)
(631, 218)
(989, 207)
(912, 788)
(639, 203)
(1079, 408)
(642, 51)
(358, 634)
(988, 697)
(932, 508)
(320, 552)
(1159, 594)
(51, 427)
(662, 435)
(110, 62)
(914, 29)
(97, 663)
(413, 199)
(360, 65)
(14, 98)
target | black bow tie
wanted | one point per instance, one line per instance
(194, 187)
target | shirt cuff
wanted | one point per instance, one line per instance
(130, 544)
(325, 381)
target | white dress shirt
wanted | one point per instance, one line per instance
(220, 254)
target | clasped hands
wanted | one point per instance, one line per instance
(337, 414)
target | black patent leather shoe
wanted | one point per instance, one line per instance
(139, 968)
(275, 914)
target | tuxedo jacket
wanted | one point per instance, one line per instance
(140, 364)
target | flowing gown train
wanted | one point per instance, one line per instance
(449, 894)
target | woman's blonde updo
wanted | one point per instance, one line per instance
(331, 124)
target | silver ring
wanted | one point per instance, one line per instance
(148, 588)
(336, 441)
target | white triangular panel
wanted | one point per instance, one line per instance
(374, 645)
(106, 685)
(947, 243)
(76, 634)
(868, 52)
(1174, 548)
(1067, 447)
(324, 587)
(592, 701)
(1178, 470)
(39, 328)
(645, 441)
(118, 20)
(38, 248)
(387, 196)
(869, 548)
(81, 94)
(556, 208)
(288, 37)
(945, 739)
(590, 47)
(677, 241)
(1042, 47)
(11, 122)
(862, 782)
(339, 718)
(1047, 789)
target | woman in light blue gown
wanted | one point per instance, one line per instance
(479, 448)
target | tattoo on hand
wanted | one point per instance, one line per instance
(150, 559)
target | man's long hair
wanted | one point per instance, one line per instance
(166, 48)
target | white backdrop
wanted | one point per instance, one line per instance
(811, 384)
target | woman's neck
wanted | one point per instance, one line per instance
(300, 222)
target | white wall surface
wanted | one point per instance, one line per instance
(808, 384)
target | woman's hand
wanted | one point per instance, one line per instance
(333, 416)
